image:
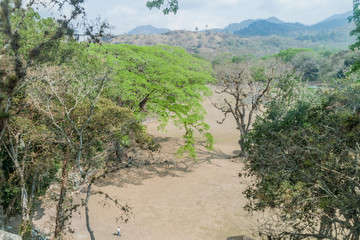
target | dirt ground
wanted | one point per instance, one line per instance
(180, 200)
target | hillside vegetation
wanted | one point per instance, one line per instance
(210, 44)
(255, 37)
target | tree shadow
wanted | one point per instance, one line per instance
(208, 155)
(146, 165)
(236, 152)
(162, 163)
(39, 213)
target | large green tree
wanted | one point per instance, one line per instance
(165, 81)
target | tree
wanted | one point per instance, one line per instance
(19, 50)
(308, 64)
(25, 40)
(68, 97)
(170, 5)
(303, 157)
(32, 161)
(356, 19)
(165, 81)
(288, 54)
(86, 124)
(245, 89)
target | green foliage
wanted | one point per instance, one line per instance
(302, 155)
(171, 5)
(10, 190)
(35, 31)
(323, 37)
(356, 19)
(289, 54)
(238, 59)
(258, 73)
(27, 133)
(161, 80)
(115, 124)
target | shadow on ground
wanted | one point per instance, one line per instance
(147, 164)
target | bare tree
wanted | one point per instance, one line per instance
(244, 89)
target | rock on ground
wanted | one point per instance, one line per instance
(9, 236)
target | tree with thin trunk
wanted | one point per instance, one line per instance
(23, 142)
(27, 39)
(68, 97)
(88, 125)
(243, 89)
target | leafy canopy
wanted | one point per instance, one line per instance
(356, 19)
(161, 80)
(304, 156)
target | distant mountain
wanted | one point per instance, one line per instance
(330, 24)
(337, 16)
(274, 20)
(266, 28)
(335, 28)
(233, 27)
(148, 29)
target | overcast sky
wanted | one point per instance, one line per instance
(125, 15)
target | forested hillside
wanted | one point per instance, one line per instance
(213, 45)
(257, 37)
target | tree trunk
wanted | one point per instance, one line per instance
(60, 215)
(240, 123)
(242, 147)
(88, 193)
(2, 212)
(25, 214)
(26, 224)
(2, 217)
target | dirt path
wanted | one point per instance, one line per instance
(187, 200)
